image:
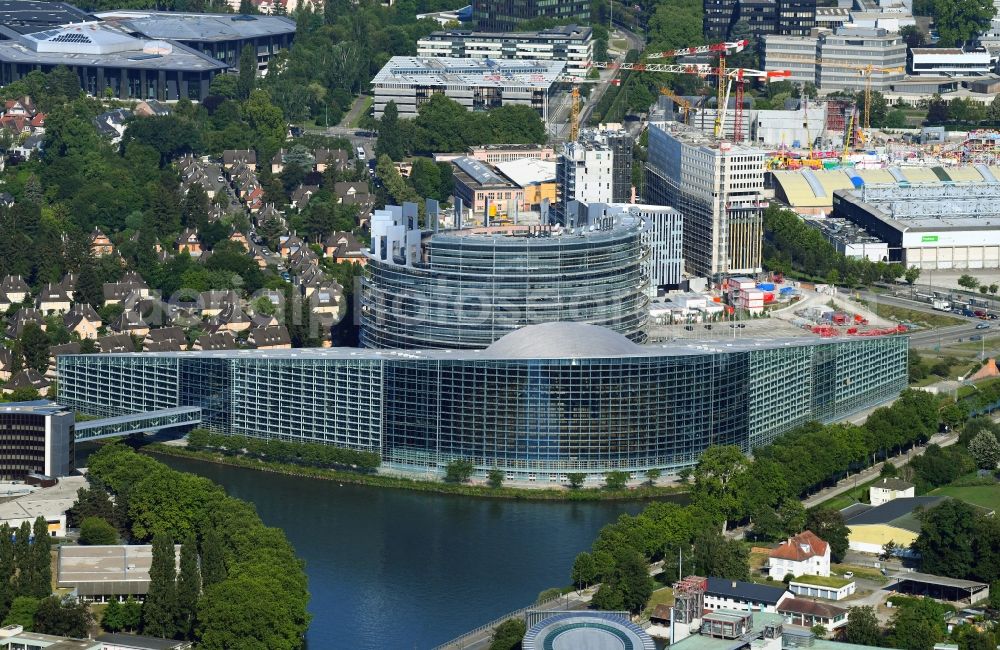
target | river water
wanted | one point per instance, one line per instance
(394, 570)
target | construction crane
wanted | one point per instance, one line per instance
(684, 104)
(724, 48)
(864, 71)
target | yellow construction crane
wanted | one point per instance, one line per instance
(574, 113)
(864, 71)
(684, 104)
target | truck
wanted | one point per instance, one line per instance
(942, 305)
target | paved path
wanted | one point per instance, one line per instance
(943, 440)
(359, 104)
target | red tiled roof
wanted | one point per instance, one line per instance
(800, 547)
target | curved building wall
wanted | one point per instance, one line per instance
(471, 289)
(536, 418)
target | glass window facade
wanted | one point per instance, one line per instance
(532, 417)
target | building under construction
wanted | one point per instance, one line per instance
(932, 226)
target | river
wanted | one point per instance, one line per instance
(391, 569)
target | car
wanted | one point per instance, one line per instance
(848, 574)
(221, 179)
(708, 327)
(737, 325)
(983, 326)
(975, 337)
(689, 328)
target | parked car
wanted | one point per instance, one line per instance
(975, 337)
(983, 326)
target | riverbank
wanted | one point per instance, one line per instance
(380, 480)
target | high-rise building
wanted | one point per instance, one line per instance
(762, 17)
(662, 236)
(719, 188)
(597, 168)
(35, 438)
(809, 58)
(508, 15)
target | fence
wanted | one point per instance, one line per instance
(459, 642)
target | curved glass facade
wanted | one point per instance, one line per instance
(536, 416)
(472, 287)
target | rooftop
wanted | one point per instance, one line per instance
(561, 337)
(110, 566)
(943, 581)
(893, 484)
(800, 547)
(198, 27)
(479, 173)
(933, 207)
(37, 407)
(898, 512)
(744, 590)
(143, 642)
(44, 502)
(25, 16)
(528, 171)
(568, 32)
(447, 71)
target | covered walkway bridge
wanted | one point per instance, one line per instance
(180, 418)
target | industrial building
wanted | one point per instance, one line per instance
(541, 401)
(485, 192)
(509, 15)
(35, 438)
(571, 44)
(103, 573)
(596, 630)
(718, 187)
(851, 240)
(134, 55)
(930, 227)
(465, 288)
(476, 84)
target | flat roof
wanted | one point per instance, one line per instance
(464, 73)
(143, 642)
(181, 26)
(528, 171)
(948, 206)
(760, 621)
(942, 581)
(38, 407)
(561, 32)
(111, 566)
(179, 57)
(551, 345)
(44, 502)
(25, 16)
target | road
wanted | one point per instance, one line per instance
(933, 337)
(943, 440)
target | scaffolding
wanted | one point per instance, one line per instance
(689, 599)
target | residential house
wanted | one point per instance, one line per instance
(303, 258)
(6, 198)
(116, 344)
(15, 288)
(721, 593)
(212, 303)
(217, 341)
(23, 316)
(321, 324)
(27, 378)
(68, 284)
(83, 320)
(353, 193)
(233, 318)
(804, 554)
(22, 106)
(344, 247)
(269, 212)
(888, 489)
(302, 194)
(151, 108)
(100, 244)
(290, 244)
(164, 339)
(6, 364)
(125, 293)
(269, 338)
(189, 242)
(52, 298)
(326, 300)
(232, 157)
(257, 254)
(131, 322)
(29, 146)
(238, 237)
(111, 124)
(255, 200)
(326, 157)
(55, 350)
(5, 303)
(809, 613)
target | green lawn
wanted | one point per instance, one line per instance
(663, 596)
(854, 495)
(823, 581)
(368, 101)
(900, 314)
(986, 496)
(867, 573)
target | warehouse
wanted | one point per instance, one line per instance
(930, 227)
(476, 84)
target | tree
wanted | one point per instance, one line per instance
(968, 282)
(960, 21)
(714, 555)
(576, 479)
(985, 450)
(918, 624)
(495, 478)
(632, 577)
(98, 532)
(35, 347)
(188, 586)
(248, 73)
(160, 611)
(713, 479)
(131, 614)
(459, 471)
(240, 613)
(911, 275)
(40, 567)
(653, 475)
(89, 289)
(508, 635)
(819, 631)
(584, 570)
(862, 626)
(426, 178)
(945, 543)
(889, 551)
(390, 138)
(111, 619)
(615, 480)
(913, 36)
(22, 612)
(993, 111)
(63, 617)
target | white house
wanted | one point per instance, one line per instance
(889, 489)
(743, 596)
(804, 554)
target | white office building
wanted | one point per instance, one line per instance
(476, 84)
(842, 53)
(570, 44)
(585, 173)
(662, 237)
(949, 62)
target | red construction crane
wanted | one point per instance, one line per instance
(734, 46)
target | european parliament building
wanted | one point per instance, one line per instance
(538, 403)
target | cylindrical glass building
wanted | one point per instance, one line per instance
(470, 287)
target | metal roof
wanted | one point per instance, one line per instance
(198, 27)
(893, 512)
(943, 581)
(744, 590)
(479, 171)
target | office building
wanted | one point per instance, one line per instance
(508, 15)
(597, 168)
(476, 84)
(485, 192)
(465, 288)
(929, 226)
(718, 187)
(571, 44)
(35, 438)
(540, 402)
(762, 16)
(662, 236)
(842, 53)
(950, 61)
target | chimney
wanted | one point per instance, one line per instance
(734, 584)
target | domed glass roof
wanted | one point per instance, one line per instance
(561, 339)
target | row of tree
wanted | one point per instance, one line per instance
(308, 454)
(25, 562)
(254, 590)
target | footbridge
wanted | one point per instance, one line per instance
(180, 419)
